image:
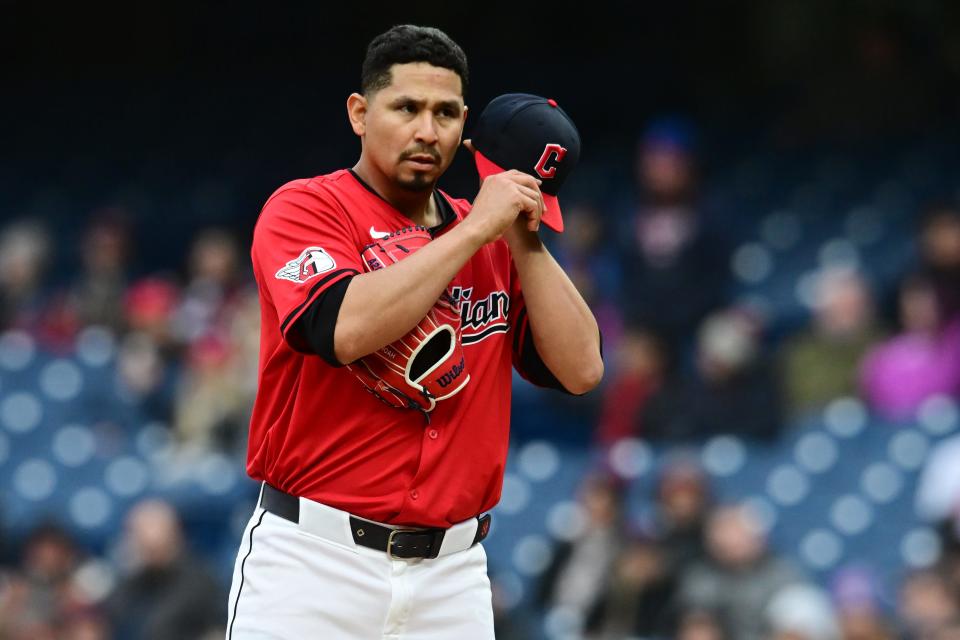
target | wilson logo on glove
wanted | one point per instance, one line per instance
(454, 373)
(427, 365)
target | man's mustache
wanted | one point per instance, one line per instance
(433, 153)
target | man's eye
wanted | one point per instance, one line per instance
(407, 108)
(447, 113)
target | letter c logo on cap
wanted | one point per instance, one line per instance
(550, 152)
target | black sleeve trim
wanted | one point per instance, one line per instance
(534, 369)
(520, 329)
(324, 280)
(315, 328)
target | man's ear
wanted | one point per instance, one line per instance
(357, 112)
(463, 121)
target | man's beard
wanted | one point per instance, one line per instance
(417, 184)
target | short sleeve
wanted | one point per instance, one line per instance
(302, 244)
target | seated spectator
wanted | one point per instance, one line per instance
(96, 295)
(949, 631)
(87, 626)
(820, 363)
(639, 598)
(922, 361)
(638, 372)
(148, 307)
(165, 592)
(210, 404)
(43, 600)
(740, 576)
(682, 501)
(734, 388)
(217, 388)
(926, 605)
(213, 281)
(802, 612)
(591, 262)
(24, 251)
(577, 575)
(856, 598)
(147, 359)
(864, 625)
(940, 256)
(949, 562)
(675, 270)
(700, 625)
(27, 302)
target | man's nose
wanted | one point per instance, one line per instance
(426, 128)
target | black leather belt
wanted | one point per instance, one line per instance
(398, 543)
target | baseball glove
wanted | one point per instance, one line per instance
(427, 364)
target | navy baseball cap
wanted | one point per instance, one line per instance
(530, 134)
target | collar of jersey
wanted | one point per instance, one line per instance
(447, 215)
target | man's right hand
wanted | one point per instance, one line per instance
(501, 199)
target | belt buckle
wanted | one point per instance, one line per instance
(394, 532)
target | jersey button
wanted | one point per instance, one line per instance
(433, 433)
(414, 494)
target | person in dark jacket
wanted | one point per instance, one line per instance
(166, 594)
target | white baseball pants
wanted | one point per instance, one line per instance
(312, 581)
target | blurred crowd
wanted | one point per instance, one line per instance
(186, 357)
(187, 342)
(685, 360)
(151, 587)
(701, 570)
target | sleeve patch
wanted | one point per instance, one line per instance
(312, 262)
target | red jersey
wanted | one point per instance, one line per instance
(315, 431)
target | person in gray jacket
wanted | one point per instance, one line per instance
(739, 577)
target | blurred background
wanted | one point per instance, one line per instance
(765, 222)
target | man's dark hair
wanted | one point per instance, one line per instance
(409, 43)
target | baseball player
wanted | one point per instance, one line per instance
(392, 315)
